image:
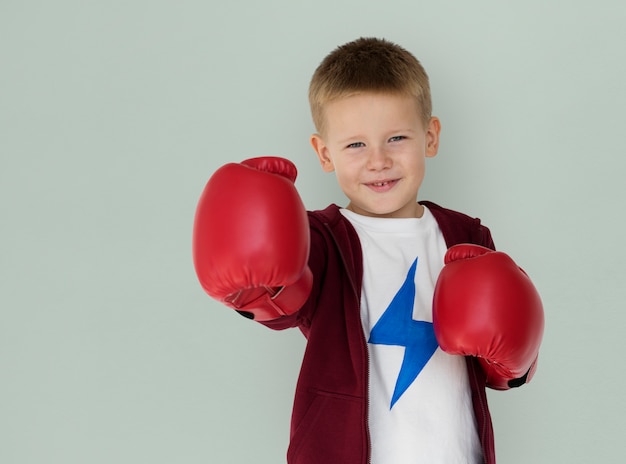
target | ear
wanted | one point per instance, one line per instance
(432, 137)
(322, 153)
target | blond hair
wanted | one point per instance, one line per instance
(368, 65)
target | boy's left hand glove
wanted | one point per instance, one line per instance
(486, 306)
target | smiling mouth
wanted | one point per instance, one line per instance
(382, 185)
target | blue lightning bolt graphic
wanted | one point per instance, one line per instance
(398, 328)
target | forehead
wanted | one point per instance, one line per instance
(371, 111)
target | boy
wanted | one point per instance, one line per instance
(400, 347)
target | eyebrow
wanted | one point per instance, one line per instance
(349, 140)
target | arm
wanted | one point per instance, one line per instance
(486, 306)
(251, 239)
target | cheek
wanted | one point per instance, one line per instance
(343, 179)
(420, 166)
(346, 177)
(417, 169)
(347, 167)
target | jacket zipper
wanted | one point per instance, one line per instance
(366, 382)
(483, 410)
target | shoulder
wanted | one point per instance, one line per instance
(450, 215)
(330, 225)
(333, 234)
(329, 215)
(459, 227)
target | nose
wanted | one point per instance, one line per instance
(378, 159)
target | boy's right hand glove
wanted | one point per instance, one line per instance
(251, 239)
(486, 306)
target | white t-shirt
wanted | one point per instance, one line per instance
(420, 408)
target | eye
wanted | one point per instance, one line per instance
(356, 145)
(397, 138)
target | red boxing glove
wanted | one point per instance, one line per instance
(251, 239)
(486, 306)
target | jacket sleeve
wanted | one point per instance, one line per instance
(481, 235)
(318, 256)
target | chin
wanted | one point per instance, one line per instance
(381, 210)
(382, 213)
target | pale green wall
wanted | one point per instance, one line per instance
(113, 114)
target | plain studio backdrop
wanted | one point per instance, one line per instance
(113, 115)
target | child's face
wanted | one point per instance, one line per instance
(377, 145)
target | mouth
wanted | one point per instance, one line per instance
(383, 185)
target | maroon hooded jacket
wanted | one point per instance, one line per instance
(329, 420)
